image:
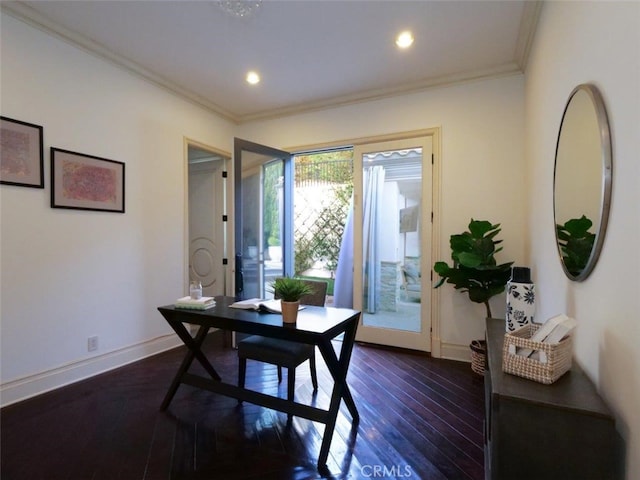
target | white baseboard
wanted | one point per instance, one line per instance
(32, 385)
(452, 351)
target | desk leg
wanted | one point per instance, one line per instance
(338, 369)
(194, 345)
(345, 359)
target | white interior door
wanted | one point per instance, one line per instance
(206, 227)
(392, 242)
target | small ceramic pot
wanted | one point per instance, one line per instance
(289, 311)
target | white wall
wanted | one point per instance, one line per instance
(68, 275)
(482, 168)
(595, 42)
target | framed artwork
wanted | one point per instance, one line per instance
(85, 182)
(21, 153)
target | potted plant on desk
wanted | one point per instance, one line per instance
(290, 290)
(476, 272)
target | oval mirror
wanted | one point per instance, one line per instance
(582, 181)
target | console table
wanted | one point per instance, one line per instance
(533, 431)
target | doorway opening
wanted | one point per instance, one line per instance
(373, 251)
(206, 206)
(323, 187)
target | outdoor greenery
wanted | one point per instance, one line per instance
(272, 177)
(317, 234)
(333, 167)
(329, 281)
(318, 237)
(475, 270)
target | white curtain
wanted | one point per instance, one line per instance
(343, 287)
(373, 183)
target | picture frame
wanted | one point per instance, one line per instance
(21, 153)
(86, 182)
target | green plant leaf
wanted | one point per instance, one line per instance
(578, 226)
(492, 235)
(441, 268)
(461, 243)
(469, 259)
(478, 294)
(479, 228)
(290, 289)
(475, 270)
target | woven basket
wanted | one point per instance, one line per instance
(478, 356)
(558, 356)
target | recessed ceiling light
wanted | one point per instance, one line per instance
(253, 78)
(404, 39)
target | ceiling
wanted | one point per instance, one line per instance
(311, 54)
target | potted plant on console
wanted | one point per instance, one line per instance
(290, 290)
(476, 272)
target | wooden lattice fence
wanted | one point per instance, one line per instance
(322, 197)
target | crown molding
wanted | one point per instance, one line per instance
(507, 69)
(527, 32)
(31, 17)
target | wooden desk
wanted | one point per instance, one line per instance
(533, 431)
(315, 326)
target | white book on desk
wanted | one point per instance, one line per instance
(202, 303)
(260, 305)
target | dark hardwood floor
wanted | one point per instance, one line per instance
(421, 418)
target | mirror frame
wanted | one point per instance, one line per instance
(605, 193)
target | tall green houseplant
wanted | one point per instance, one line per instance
(475, 269)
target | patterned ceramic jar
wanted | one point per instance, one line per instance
(520, 299)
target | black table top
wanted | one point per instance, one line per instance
(313, 323)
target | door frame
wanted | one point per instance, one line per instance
(436, 138)
(186, 240)
(420, 340)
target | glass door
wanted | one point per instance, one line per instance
(263, 231)
(392, 256)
